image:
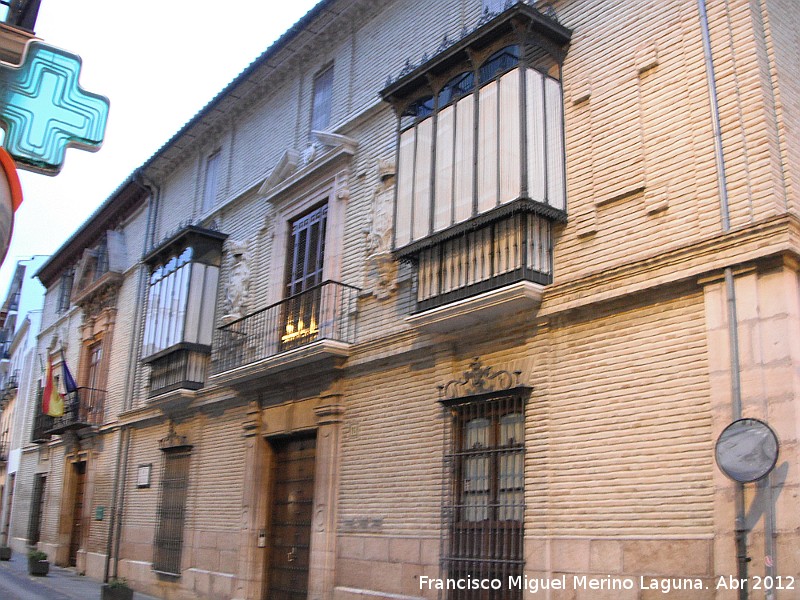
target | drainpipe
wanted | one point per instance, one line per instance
(123, 444)
(740, 527)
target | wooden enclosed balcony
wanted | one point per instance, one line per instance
(311, 326)
(82, 408)
(183, 366)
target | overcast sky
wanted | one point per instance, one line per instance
(159, 62)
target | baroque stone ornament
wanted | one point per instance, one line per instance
(381, 267)
(478, 380)
(237, 292)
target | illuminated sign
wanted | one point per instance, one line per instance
(44, 110)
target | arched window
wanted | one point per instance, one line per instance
(419, 109)
(498, 63)
(460, 85)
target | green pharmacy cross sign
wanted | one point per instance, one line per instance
(44, 110)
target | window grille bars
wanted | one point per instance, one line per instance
(484, 503)
(513, 249)
(37, 503)
(168, 544)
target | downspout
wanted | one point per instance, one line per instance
(118, 495)
(740, 527)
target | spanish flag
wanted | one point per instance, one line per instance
(52, 401)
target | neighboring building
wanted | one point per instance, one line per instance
(21, 317)
(67, 461)
(482, 320)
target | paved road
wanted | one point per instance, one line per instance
(60, 584)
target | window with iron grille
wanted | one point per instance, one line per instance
(486, 503)
(37, 503)
(304, 267)
(168, 543)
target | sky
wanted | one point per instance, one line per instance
(158, 62)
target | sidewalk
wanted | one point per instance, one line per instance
(60, 583)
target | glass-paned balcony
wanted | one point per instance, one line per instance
(323, 312)
(487, 149)
(181, 301)
(481, 163)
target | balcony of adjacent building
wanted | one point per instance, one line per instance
(83, 408)
(42, 424)
(5, 440)
(17, 22)
(314, 328)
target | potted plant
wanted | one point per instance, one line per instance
(37, 563)
(116, 589)
(5, 553)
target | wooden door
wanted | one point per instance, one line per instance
(76, 538)
(291, 514)
(9, 505)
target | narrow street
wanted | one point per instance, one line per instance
(59, 584)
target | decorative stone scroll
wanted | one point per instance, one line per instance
(479, 380)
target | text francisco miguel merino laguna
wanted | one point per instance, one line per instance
(579, 582)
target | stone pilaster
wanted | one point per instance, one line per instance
(330, 414)
(250, 573)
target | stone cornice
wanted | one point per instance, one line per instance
(767, 238)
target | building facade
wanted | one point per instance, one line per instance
(444, 292)
(21, 318)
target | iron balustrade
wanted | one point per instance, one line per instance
(12, 382)
(323, 312)
(4, 446)
(42, 424)
(82, 408)
(181, 367)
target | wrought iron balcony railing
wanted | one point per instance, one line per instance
(323, 312)
(12, 382)
(82, 408)
(42, 424)
(4, 438)
(181, 367)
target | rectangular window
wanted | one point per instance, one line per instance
(101, 262)
(487, 500)
(65, 290)
(211, 182)
(171, 512)
(304, 269)
(37, 503)
(322, 103)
